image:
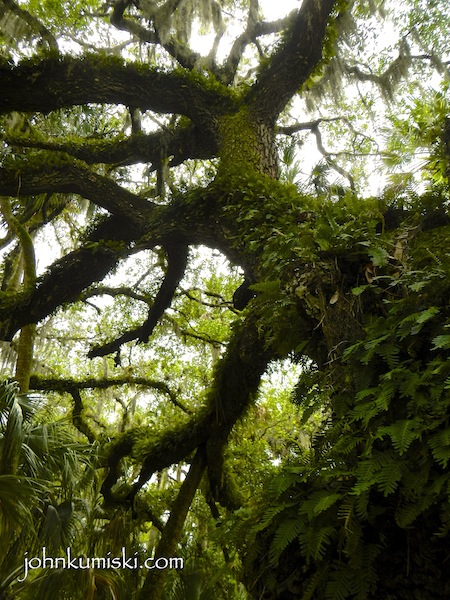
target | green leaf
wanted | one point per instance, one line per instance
(441, 341)
(284, 535)
(319, 502)
(402, 433)
(379, 256)
(440, 446)
(314, 541)
(357, 291)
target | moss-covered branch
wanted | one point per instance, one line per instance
(78, 415)
(26, 243)
(27, 334)
(236, 380)
(182, 223)
(61, 82)
(253, 31)
(294, 61)
(179, 143)
(67, 277)
(40, 177)
(36, 28)
(57, 384)
(182, 53)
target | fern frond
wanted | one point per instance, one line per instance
(402, 433)
(284, 535)
(319, 502)
(314, 582)
(441, 341)
(413, 323)
(339, 586)
(440, 446)
(366, 575)
(315, 540)
(268, 516)
(390, 353)
(389, 478)
(408, 513)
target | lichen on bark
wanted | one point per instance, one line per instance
(246, 144)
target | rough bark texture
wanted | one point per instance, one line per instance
(65, 81)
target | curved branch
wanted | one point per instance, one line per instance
(173, 226)
(68, 276)
(329, 160)
(36, 27)
(180, 52)
(180, 143)
(177, 260)
(154, 582)
(78, 415)
(27, 334)
(25, 240)
(294, 61)
(253, 31)
(309, 125)
(76, 179)
(236, 380)
(68, 385)
(104, 290)
(57, 83)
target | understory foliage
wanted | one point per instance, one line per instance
(224, 299)
(365, 513)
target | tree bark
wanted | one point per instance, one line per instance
(66, 81)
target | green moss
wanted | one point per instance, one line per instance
(238, 144)
(9, 300)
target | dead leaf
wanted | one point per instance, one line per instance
(398, 253)
(335, 297)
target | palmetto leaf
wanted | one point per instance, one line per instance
(18, 497)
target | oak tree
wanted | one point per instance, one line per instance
(112, 122)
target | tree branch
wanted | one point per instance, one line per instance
(253, 30)
(179, 143)
(177, 260)
(154, 582)
(308, 125)
(104, 290)
(329, 160)
(33, 23)
(292, 64)
(78, 417)
(236, 380)
(68, 385)
(57, 83)
(179, 51)
(175, 225)
(76, 179)
(68, 276)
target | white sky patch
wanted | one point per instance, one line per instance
(274, 10)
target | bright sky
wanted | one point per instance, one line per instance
(278, 9)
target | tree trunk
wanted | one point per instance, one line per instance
(153, 587)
